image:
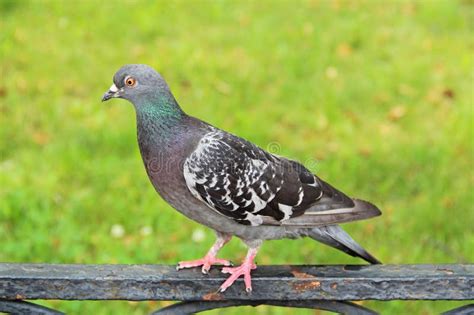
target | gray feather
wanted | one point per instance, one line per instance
(335, 236)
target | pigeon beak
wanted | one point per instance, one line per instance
(111, 93)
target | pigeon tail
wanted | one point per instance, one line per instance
(335, 236)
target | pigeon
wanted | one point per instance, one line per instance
(230, 184)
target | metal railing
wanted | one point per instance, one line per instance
(328, 288)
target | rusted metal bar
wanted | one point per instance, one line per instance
(277, 283)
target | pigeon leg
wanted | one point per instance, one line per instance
(210, 258)
(235, 272)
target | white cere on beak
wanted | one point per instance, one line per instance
(113, 88)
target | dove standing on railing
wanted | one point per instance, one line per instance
(229, 184)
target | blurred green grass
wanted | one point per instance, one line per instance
(379, 93)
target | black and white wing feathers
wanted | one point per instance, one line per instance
(243, 182)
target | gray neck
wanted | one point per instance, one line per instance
(158, 117)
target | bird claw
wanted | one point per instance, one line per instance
(233, 270)
(205, 262)
(235, 273)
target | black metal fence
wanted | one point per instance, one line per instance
(319, 287)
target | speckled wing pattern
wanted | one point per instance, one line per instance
(241, 181)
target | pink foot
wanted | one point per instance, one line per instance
(244, 269)
(205, 262)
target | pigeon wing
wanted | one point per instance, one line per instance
(251, 186)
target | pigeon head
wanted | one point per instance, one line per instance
(139, 84)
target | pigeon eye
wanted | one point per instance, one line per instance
(130, 81)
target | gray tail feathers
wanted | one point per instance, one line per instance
(335, 236)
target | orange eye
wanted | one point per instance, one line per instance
(130, 81)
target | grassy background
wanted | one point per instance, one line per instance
(380, 94)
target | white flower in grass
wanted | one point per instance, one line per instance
(198, 235)
(117, 231)
(146, 230)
